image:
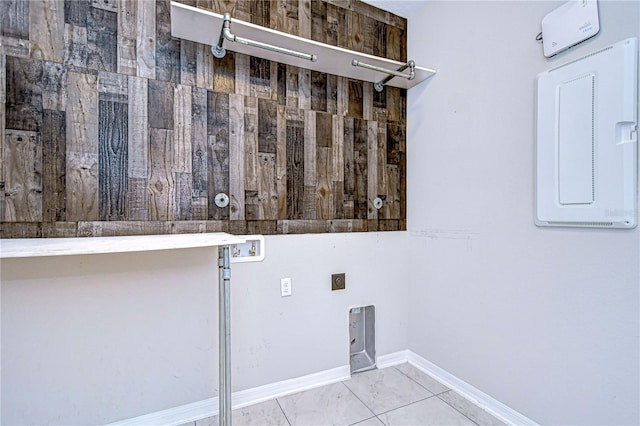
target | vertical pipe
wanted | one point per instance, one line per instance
(224, 336)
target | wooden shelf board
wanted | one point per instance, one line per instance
(38, 247)
(203, 26)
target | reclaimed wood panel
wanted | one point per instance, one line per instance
(138, 149)
(304, 89)
(395, 140)
(24, 94)
(291, 87)
(53, 85)
(356, 31)
(167, 47)
(199, 140)
(324, 186)
(394, 104)
(379, 39)
(218, 154)
(236, 157)
(146, 40)
(162, 186)
(138, 127)
(394, 43)
(224, 71)
(349, 167)
(242, 70)
(14, 19)
(267, 126)
(189, 63)
(102, 40)
(381, 156)
(137, 202)
(331, 91)
(304, 18)
(182, 128)
(319, 21)
(127, 37)
(23, 176)
(367, 100)
(368, 29)
(82, 147)
(281, 162)
(355, 108)
(392, 202)
(260, 13)
(139, 131)
(310, 166)
(295, 168)
(113, 159)
(267, 188)
(251, 145)
(183, 153)
(21, 230)
(259, 77)
(75, 47)
(53, 166)
(47, 37)
(161, 102)
(360, 163)
(337, 177)
(372, 168)
(59, 229)
(318, 91)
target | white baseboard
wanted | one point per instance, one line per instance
(481, 399)
(392, 359)
(209, 407)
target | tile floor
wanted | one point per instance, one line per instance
(400, 395)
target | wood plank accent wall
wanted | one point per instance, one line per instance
(110, 126)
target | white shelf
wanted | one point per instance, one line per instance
(203, 26)
(38, 247)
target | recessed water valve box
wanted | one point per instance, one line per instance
(252, 250)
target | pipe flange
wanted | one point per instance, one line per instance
(377, 203)
(221, 200)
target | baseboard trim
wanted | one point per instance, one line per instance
(209, 407)
(392, 359)
(484, 401)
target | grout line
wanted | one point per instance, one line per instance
(419, 384)
(405, 405)
(360, 421)
(285, 414)
(456, 408)
(358, 398)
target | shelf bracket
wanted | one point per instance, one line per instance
(219, 51)
(392, 73)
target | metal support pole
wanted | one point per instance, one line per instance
(224, 336)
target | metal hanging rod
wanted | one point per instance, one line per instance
(397, 73)
(225, 33)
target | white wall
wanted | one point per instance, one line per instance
(544, 320)
(95, 339)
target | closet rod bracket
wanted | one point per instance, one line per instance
(392, 73)
(219, 51)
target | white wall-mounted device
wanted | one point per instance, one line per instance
(586, 140)
(568, 25)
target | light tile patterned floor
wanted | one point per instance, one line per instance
(401, 395)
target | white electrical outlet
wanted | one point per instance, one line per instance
(285, 287)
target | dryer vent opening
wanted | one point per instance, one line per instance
(362, 338)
